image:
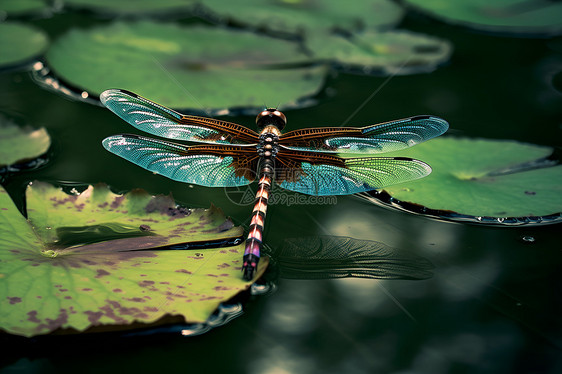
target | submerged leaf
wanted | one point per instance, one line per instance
(483, 178)
(20, 43)
(200, 69)
(51, 280)
(557, 81)
(501, 16)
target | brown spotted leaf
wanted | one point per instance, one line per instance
(59, 270)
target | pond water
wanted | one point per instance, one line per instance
(493, 304)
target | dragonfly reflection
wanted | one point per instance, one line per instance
(324, 257)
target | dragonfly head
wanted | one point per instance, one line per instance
(271, 116)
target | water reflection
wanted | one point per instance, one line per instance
(225, 313)
(478, 308)
(324, 257)
(362, 262)
(384, 199)
(44, 77)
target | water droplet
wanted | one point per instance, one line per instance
(49, 253)
(528, 239)
(262, 289)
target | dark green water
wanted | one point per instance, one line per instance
(492, 306)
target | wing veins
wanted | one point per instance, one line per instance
(207, 165)
(161, 121)
(381, 138)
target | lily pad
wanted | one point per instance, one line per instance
(18, 8)
(494, 182)
(200, 69)
(21, 147)
(298, 16)
(19, 44)
(537, 17)
(58, 273)
(392, 52)
(133, 7)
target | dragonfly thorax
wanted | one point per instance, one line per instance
(268, 144)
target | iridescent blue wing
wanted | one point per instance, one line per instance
(323, 174)
(381, 138)
(205, 165)
(158, 120)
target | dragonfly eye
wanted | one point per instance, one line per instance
(271, 116)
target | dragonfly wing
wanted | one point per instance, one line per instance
(158, 120)
(205, 165)
(323, 175)
(381, 138)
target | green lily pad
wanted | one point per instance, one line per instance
(58, 273)
(20, 43)
(195, 68)
(501, 16)
(133, 7)
(298, 16)
(393, 52)
(21, 146)
(17, 8)
(483, 178)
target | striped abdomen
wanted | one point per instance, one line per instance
(255, 236)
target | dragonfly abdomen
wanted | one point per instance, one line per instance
(255, 235)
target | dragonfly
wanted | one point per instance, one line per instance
(309, 161)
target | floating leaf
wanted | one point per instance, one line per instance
(484, 178)
(20, 43)
(501, 16)
(16, 8)
(21, 147)
(133, 7)
(294, 17)
(198, 68)
(57, 272)
(393, 52)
